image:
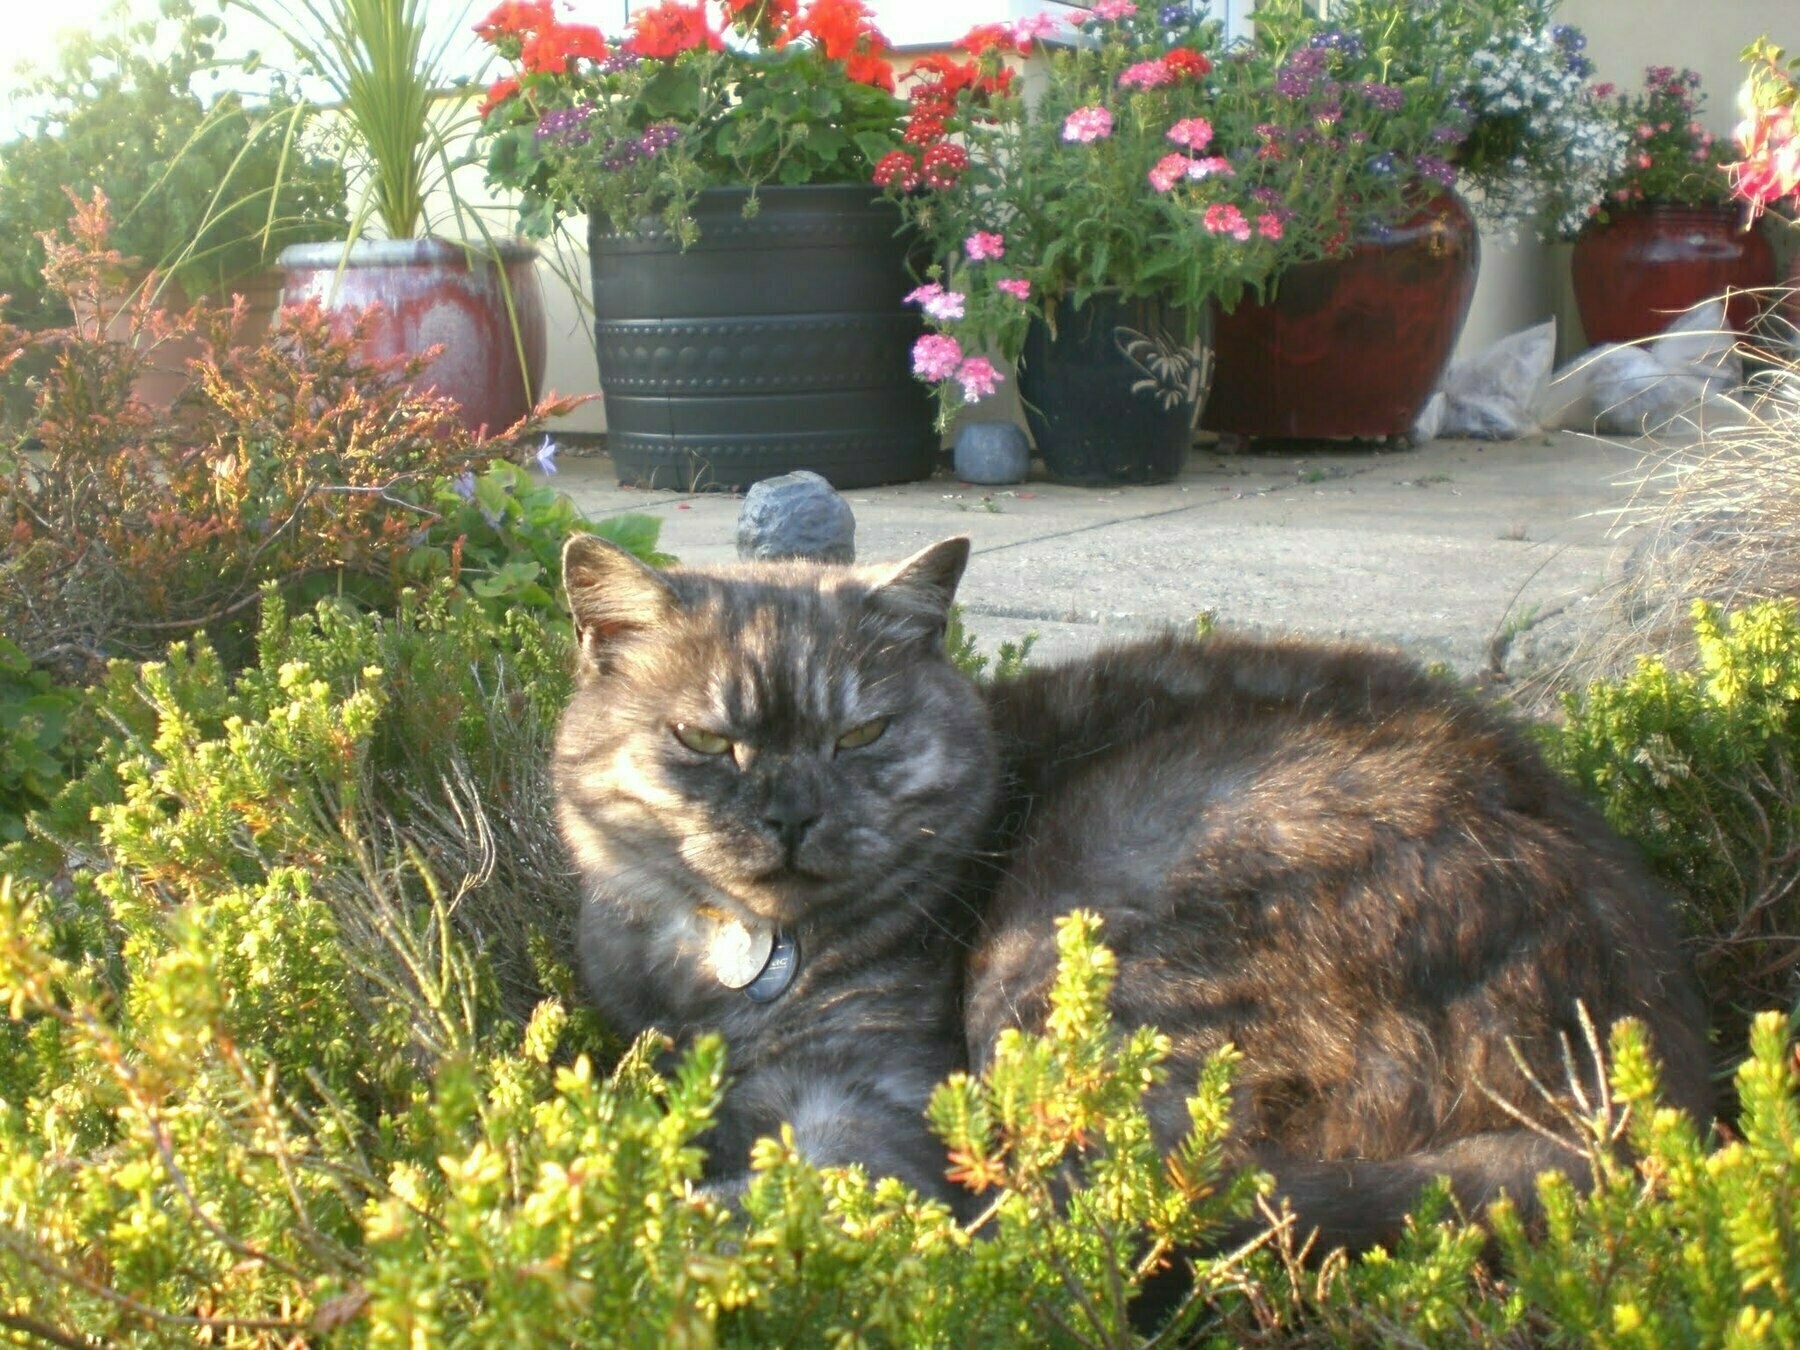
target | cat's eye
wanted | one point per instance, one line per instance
(867, 734)
(700, 740)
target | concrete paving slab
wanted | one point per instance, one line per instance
(1445, 550)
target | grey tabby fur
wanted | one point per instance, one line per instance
(1350, 870)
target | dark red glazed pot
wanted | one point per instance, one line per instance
(434, 291)
(1350, 346)
(1635, 272)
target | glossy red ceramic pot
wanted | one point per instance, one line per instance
(1635, 272)
(1351, 346)
(488, 314)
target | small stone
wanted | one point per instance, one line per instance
(992, 452)
(798, 515)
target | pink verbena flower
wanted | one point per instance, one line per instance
(1034, 28)
(1195, 133)
(940, 304)
(1206, 168)
(1087, 124)
(1114, 10)
(978, 378)
(1270, 226)
(983, 245)
(1224, 218)
(936, 357)
(1017, 287)
(1168, 171)
(1146, 75)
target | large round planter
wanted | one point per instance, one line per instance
(771, 344)
(1635, 272)
(166, 368)
(1112, 394)
(1351, 346)
(488, 316)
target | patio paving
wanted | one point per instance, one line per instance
(1440, 550)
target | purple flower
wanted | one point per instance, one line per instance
(1449, 135)
(1336, 40)
(464, 484)
(1174, 16)
(1382, 164)
(1301, 70)
(619, 62)
(658, 137)
(566, 127)
(1268, 196)
(546, 456)
(1437, 170)
(1386, 97)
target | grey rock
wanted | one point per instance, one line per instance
(798, 515)
(991, 452)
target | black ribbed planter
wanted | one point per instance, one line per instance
(772, 344)
(1114, 395)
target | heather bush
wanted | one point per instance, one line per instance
(1701, 768)
(296, 460)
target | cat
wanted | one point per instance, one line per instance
(798, 825)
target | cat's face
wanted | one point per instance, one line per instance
(781, 741)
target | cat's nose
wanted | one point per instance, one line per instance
(789, 822)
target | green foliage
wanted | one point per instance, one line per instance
(212, 189)
(501, 533)
(35, 731)
(1681, 1246)
(959, 645)
(1701, 768)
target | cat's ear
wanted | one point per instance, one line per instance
(920, 589)
(611, 594)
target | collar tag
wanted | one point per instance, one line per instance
(778, 972)
(739, 954)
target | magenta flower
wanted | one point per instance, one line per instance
(1017, 287)
(1193, 132)
(936, 357)
(1146, 75)
(983, 245)
(1168, 171)
(1114, 10)
(1269, 225)
(1087, 124)
(977, 377)
(1224, 218)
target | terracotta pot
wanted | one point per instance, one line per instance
(1114, 394)
(166, 371)
(1350, 346)
(433, 291)
(1635, 272)
(770, 344)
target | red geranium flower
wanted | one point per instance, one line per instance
(670, 29)
(988, 37)
(842, 27)
(551, 50)
(1186, 61)
(498, 92)
(867, 68)
(515, 18)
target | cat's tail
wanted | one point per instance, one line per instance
(1358, 1202)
